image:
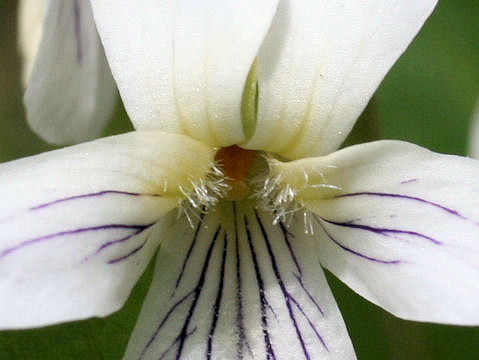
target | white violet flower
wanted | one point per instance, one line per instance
(264, 198)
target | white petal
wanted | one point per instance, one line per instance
(402, 230)
(181, 66)
(76, 224)
(30, 22)
(474, 139)
(319, 65)
(71, 92)
(238, 287)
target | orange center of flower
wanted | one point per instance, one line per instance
(236, 164)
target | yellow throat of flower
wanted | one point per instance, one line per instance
(236, 164)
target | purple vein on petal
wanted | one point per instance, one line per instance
(190, 250)
(406, 197)
(199, 287)
(195, 292)
(308, 293)
(311, 325)
(270, 354)
(270, 308)
(286, 235)
(289, 299)
(381, 231)
(117, 241)
(217, 305)
(76, 197)
(242, 341)
(163, 321)
(409, 181)
(351, 251)
(89, 195)
(126, 256)
(69, 232)
(130, 253)
(176, 341)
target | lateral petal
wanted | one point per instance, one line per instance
(237, 286)
(399, 224)
(320, 64)
(77, 225)
(70, 93)
(181, 66)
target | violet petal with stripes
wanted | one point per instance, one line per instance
(236, 286)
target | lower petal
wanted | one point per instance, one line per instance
(238, 287)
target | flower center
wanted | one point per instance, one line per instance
(236, 164)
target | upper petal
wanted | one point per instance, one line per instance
(238, 287)
(319, 65)
(70, 92)
(398, 224)
(77, 225)
(181, 65)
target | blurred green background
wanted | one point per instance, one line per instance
(427, 98)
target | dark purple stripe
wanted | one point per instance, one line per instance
(270, 355)
(308, 293)
(270, 308)
(90, 195)
(163, 321)
(117, 241)
(132, 252)
(77, 25)
(354, 252)
(184, 331)
(184, 334)
(216, 307)
(104, 246)
(70, 232)
(406, 197)
(286, 235)
(287, 296)
(167, 350)
(311, 325)
(239, 296)
(162, 356)
(409, 181)
(381, 231)
(126, 256)
(190, 250)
